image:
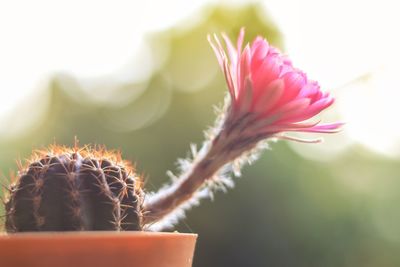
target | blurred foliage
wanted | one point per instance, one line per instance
(285, 211)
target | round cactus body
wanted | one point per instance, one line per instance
(65, 189)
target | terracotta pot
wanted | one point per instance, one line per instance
(97, 249)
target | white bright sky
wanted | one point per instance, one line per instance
(334, 41)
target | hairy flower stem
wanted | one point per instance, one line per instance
(223, 149)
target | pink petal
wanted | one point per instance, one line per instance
(229, 80)
(243, 68)
(297, 106)
(245, 97)
(298, 125)
(294, 82)
(240, 40)
(223, 62)
(259, 50)
(269, 97)
(312, 110)
(318, 106)
(265, 73)
(311, 88)
(325, 128)
(300, 140)
(233, 54)
(216, 50)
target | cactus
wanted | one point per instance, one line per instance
(92, 189)
(65, 189)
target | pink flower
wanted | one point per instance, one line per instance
(264, 86)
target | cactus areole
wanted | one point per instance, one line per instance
(65, 189)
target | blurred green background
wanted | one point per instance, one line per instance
(286, 210)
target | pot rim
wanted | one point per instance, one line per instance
(95, 235)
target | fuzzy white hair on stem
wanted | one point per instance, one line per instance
(164, 209)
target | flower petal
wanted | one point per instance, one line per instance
(243, 68)
(245, 97)
(233, 54)
(217, 51)
(297, 106)
(240, 40)
(294, 82)
(259, 50)
(300, 140)
(267, 72)
(269, 97)
(324, 128)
